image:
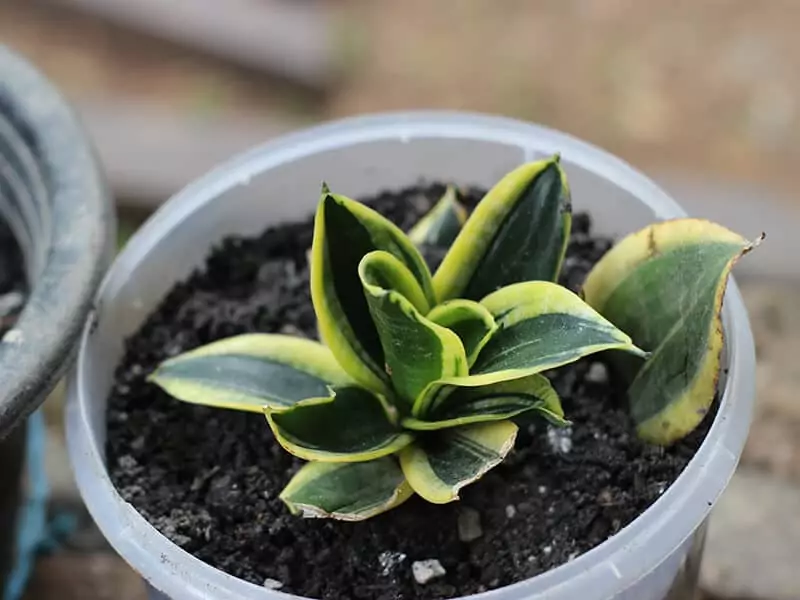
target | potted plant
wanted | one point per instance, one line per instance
(56, 225)
(425, 380)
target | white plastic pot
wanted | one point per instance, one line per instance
(654, 558)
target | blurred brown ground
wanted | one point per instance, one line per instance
(710, 87)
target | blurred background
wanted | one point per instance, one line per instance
(704, 96)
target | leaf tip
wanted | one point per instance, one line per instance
(326, 190)
(755, 243)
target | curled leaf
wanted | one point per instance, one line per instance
(347, 491)
(470, 321)
(439, 465)
(665, 285)
(344, 232)
(416, 350)
(352, 426)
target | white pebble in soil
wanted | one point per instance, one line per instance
(389, 561)
(272, 584)
(427, 570)
(511, 511)
(469, 524)
(598, 373)
(560, 439)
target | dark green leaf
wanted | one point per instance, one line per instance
(356, 426)
(518, 232)
(344, 232)
(347, 491)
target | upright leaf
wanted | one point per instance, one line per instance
(470, 321)
(462, 405)
(442, 224)
(387, 272)
(518, 232)
(354, 427)
(416, 350)
(344, 232)
(251, 371)
(347, 491)
(440, 464)
(665, 285)
(543, 326)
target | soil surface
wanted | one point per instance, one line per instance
(209, 479)
(12, 280)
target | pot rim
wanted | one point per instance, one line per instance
(616, 564)
(68, 254)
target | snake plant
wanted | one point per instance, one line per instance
(419, 376)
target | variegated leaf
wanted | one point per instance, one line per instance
(344, 232)
(251, 371)
(454, 405)
(543, 326)
(416, 350)
(347, 491)
(518, 232)
(442, 224)
(354, 426)
(665, 285)
(470, 321)
(441, 463)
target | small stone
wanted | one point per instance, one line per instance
(511, 511)
(547, 550)
(427, 570)
(289, 329)
(272, 584)
(560, 439)
(13, 336)
(127, 462)
(542, 490)
(598, 373)
(469, 524)
(389, 561)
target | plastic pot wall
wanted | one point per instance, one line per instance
(54, 201)
(654, 558)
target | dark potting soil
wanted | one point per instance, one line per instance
(12, 280)
(209, 479)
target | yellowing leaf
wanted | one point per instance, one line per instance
(665, 285)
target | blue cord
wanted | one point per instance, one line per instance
(34, 532)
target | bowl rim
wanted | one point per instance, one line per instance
(616, 564)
